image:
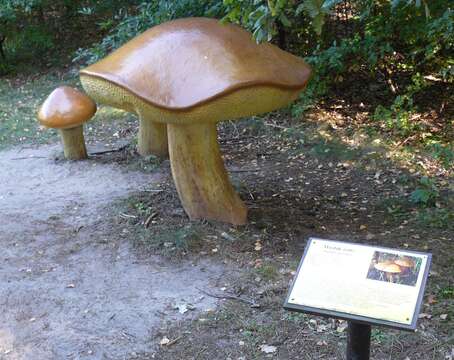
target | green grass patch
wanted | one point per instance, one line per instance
(446, 292)
(188, 238)
(19, 105)
(268, 272)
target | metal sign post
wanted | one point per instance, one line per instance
(358, 341)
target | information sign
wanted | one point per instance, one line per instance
(361, 283)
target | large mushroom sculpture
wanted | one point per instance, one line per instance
(184, 76)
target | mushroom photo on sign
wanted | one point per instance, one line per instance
(394, 268)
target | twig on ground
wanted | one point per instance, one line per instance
(406, 140)
(123, 215)
(121, 148)
(276, 126)
(29, 157)
(244, 170)
(151, 217)
(171, 342)
(202, 350)
(230, 297)
(236, 139)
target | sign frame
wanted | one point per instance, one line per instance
(359, 318)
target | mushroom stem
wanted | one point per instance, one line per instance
(200, 176)
(152, 138)
(74, 143)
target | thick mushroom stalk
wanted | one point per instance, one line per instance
(67, 109)
(200, 176)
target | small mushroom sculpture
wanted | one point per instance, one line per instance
(67, 109)
(184, 76)
(389, 268)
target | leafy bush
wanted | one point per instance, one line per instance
(30, 28)
(146, 15)
(443, 153)
(426, 194)
(32, 42)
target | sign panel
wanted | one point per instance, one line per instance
(363, 283)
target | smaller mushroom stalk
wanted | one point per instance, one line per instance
(74, 143)
(152, 138)
(200, 176)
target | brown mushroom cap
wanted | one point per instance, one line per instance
(181, 64)
(388, 267)
(404, 262)
(66, 108)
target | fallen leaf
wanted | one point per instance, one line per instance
(268, 349)
(341, 327)
(258, 246)
(184, 308)
(424, 316)
(164, 341)
(227, 236)
(70, 286)
(443, 316)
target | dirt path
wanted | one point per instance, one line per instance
(67, 291)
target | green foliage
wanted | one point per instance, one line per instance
(268, 18)
(31, 29)
(263, 18)
(426, 194)
(446, 292)
(32, 42)
(441, 218)
(146, 15)
(317, 10)
(443, 153)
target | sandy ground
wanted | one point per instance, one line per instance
(67, 291)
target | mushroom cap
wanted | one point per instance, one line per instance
(66, 108)
(183, 63)
(404, 262)
(388, 267)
